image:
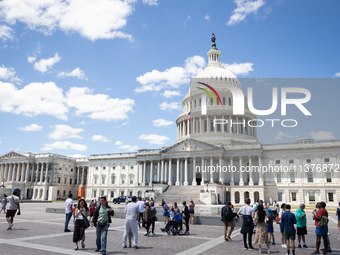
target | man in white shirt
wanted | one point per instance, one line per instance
(141, 205)
(132, 215)
(68, 211)
(13, 206)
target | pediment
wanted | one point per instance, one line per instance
(190, 145)
(13, 155)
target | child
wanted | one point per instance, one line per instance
(270, 228)
(74, 212)
(172, 213)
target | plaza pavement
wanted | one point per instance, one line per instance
(37, 232)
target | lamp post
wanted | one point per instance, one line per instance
(207, 187)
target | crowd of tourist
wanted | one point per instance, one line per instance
(257, 221)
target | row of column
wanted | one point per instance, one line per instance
(23, 172)
(164, 170)
(80, 174)
(198, 127)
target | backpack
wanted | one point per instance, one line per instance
(166, 207)
(323, 222)
(227, 214)
(153, 213)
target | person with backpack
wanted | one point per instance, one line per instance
(301, 225)
(165, 211)
(321, 227)
(270, 228)
(288, 220)
(247, 227)
(147, 218)
(186, 216)
(13, 207)
(227, 218)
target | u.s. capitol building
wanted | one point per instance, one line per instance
(313, 167)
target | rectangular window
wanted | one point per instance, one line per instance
(195, 103)
(326, 160)
(293, 196)
(59, 180)
(94, 193)
(102, 193)
(112, 194)
(71, 169)
(330, 197)
(292, 178)
(65, 180)
(218, 127)
(211, 125)
(130, 194)
(279, 196)
(199, 102)
(278, 178)
(277, 161)
(310, 176)
(312, 197)
(225, 127)
(229, 101)
(70, 181)
(291, 161)
(205, 126)
(122, 193)
(329, 177)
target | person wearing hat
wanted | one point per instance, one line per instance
(13, 207)
(270, 228)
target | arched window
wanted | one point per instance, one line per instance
(95, 179)
(113, 179)
(103, 179)
(131, 179)
(123, 179)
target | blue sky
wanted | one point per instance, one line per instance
(87, 77)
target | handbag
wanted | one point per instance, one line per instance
(102, 224)
(86, 221)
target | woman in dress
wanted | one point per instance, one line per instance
(79, 225)
(261, 235)
(191, 212)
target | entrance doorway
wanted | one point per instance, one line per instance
(198, 178)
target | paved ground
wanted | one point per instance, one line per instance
(37, 232)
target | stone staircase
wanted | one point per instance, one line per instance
(179, 194)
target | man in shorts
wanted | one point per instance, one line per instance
(301, 223)
(288, 220)
(13, 207)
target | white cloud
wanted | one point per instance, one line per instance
(0, 142)
(33, 99)
(100, 138)
(92, 19)
(322, 135)
(172, 106)
(62, 132)
(162, 123)
(45, 65)
(244, 7)
(98, 106)
(33, 127)
(171, 93)
(64, 145)
(172, 77)
(8, 73)
(155, 139)
(239, 68)
(5, 32)
(77, 156)
(82, 122)
(207, 17)
(75, 73)
(118, 143)
(337, 74)
(31, 59)
(150, 2)
(280, 135)
(129, 147)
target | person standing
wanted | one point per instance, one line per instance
(186, 216)
(13, 207)
(141, 205)
(270, 228)
(247, 227)
(192, 212)
(132, 215)
(282, 210)
(3, 203)
(81, 212)
(68, 212)
(165, 211)
(147, 218)
(101, 220)
(261, 234)
(153, 217)
(321, 227)
(288, 220)
(301, 225)
(338, 214)
(227, 218)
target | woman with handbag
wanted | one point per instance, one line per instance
(81, 223)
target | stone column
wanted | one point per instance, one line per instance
(201, 125)
(22, 177)
(162, 170)
(208, 125)
(9, 172)
(188, 127)
(151, 173)
(165, 169)
(186, 172)
(194, 183)
(260, 171)
(237, 126)
(229, 124)
(251, 182)
(211, 174)
(144, 174)
(177, 131)
(32, 173)
(158, 166)
(2, 172)
(83, 176)
(46, 173)
(241, 183)
(41, 172)
(6, 172)
(170, 173)
(20, 166)
(138, 164)
(232, 180)
(220, 172)
(37, 173)
(177, 173)
(27, 171)
(215, 128)
(13, 172)
(77, 168)
(202, 173)
(222, 126)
